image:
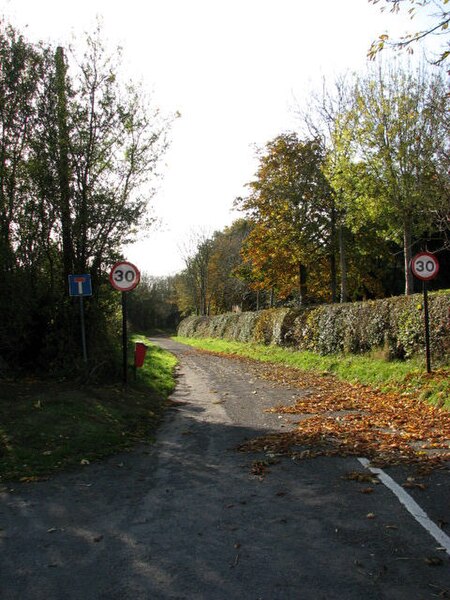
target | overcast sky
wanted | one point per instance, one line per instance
(234, 69)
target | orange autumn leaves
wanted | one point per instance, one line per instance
(338, 418)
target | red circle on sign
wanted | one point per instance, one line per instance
(124, 276)
(424, 266)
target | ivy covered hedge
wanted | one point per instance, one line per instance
(394, 325)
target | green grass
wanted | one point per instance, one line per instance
(46, 426)
(394, 376)
(157, 370)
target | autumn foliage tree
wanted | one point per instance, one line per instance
(215, 278)
(291, 206)
(230, 289)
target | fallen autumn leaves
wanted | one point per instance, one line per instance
(339, 418)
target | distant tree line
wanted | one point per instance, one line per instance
(79, 149)
(153, 306)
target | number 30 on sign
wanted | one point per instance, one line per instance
(124, 276)
(424, 266)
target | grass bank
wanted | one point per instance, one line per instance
(394, 376)
(46, 426)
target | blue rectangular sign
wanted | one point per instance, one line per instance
(80, 285)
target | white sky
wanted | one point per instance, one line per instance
(233, 68)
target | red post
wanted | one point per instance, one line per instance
(140, 351)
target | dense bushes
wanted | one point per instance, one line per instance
(394, 325)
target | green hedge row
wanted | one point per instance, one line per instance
(395, 325)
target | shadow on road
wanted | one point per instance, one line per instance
(186, 519)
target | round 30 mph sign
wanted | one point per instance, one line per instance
(124, 276)
(424, 266)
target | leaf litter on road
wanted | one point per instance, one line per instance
(337, 418)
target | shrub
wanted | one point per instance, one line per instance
(263, 329)
(394, 325)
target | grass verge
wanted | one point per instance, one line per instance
(405, 377)
(157, 370)
(46, 426)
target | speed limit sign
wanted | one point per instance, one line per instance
(124, 276)
(424, 266)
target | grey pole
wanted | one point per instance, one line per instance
(124, 338)
(427, 325)
(83, 330)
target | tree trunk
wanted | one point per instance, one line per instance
(203, 294)
(302, 284)
(333, 278)
(333, 265)
(407, 252)
(343, 264)
(63, 163)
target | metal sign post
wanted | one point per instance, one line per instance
(426, 316)
(80, 285)
(83, 330)
(124, 277)
(425, 266)
(124, 338)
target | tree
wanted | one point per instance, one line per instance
(195, 278)
(439, 25)
(229, 290)
(116, 141)
(21, 67)
(20, 70)
(398, 134)
(213, 281)
(152, 305)
(78, 154)
(326, 119)
(291, 207)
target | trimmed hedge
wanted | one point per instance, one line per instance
(394, 325)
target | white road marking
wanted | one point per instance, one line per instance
(411, 506)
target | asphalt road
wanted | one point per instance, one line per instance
(186, 518)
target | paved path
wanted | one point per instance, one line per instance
(185, 518)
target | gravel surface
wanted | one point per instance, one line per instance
(187, 517)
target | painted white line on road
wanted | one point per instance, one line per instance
(411, 506)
